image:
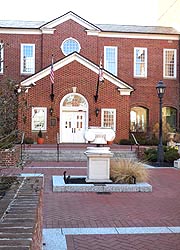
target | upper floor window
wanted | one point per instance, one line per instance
(108, 118)
(1, 57)
(27, 58)
(110, 59)
(70, 45)
(169, 63)
(140, 62)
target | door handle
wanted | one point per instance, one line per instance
(74, 130)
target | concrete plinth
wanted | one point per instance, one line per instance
(98, 164)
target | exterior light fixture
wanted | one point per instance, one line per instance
(97, 112)
(160, 87)
(51, 111)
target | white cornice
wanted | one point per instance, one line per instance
(133, 35)
(20, 31)
(70, 16)
(123, 87)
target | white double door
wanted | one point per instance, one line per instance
(73, 126)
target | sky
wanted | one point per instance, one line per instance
(137, 12)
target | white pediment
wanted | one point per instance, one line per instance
(122, 87)
(68, 16)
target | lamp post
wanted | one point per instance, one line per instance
(160, 87)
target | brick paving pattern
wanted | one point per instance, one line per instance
(161, 208)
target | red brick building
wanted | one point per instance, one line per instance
(134, 59)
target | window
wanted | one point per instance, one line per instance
(140, 62)
(39, 118)
(138, 119)
(74, 100)
(1, 57)
(70, 45)
(110, 59)
(169, 63)
(27, 58)
(108, 118)
(169, 116)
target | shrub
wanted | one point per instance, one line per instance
(125, 170)
(125, 142)
(28, 140)
(150, 154)
(170, 154)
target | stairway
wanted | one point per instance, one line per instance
(38, 154)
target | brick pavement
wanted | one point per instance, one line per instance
(161, 208)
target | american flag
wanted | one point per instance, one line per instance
(101, 78)
(52, 72)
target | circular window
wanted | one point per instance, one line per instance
(70, 45)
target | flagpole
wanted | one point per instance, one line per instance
(100, 79)
(52, 80)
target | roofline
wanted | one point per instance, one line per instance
(84, 61)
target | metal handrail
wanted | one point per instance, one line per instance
(58, 142)
(22, 142)
(136, 142)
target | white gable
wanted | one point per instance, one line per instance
(122, 87)
(49, 27)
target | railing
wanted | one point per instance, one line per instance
(22, 142)
(135, 143)
(58, 143)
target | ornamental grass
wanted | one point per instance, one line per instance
(125, 171)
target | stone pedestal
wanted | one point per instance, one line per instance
(98, 166)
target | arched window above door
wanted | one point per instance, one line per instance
(74, 100)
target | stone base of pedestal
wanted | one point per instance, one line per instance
(98, 167)
(98, 180)
(177, 163)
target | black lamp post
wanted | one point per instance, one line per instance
(160, 87)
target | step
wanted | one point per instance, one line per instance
(69, 155)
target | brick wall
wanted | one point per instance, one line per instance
(74, 75)
(10, 157)
(21, 215)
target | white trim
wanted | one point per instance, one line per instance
(77, 57)
(70, 38)
(133, 35)
(33, 58)
(69, 16)
(175, 64)
(145, 63)
(71, 109)
(44, 128)
(116, 58)
(114, 117)
(20, 31)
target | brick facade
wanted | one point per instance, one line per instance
(48, 40)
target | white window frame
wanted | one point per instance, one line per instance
(2, 58)
(164, 63)
(114, 118)
(115, 59)
(144, 75)
(66, 40)
(31, 58)
(39, 122)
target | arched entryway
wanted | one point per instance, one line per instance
(73, 118)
